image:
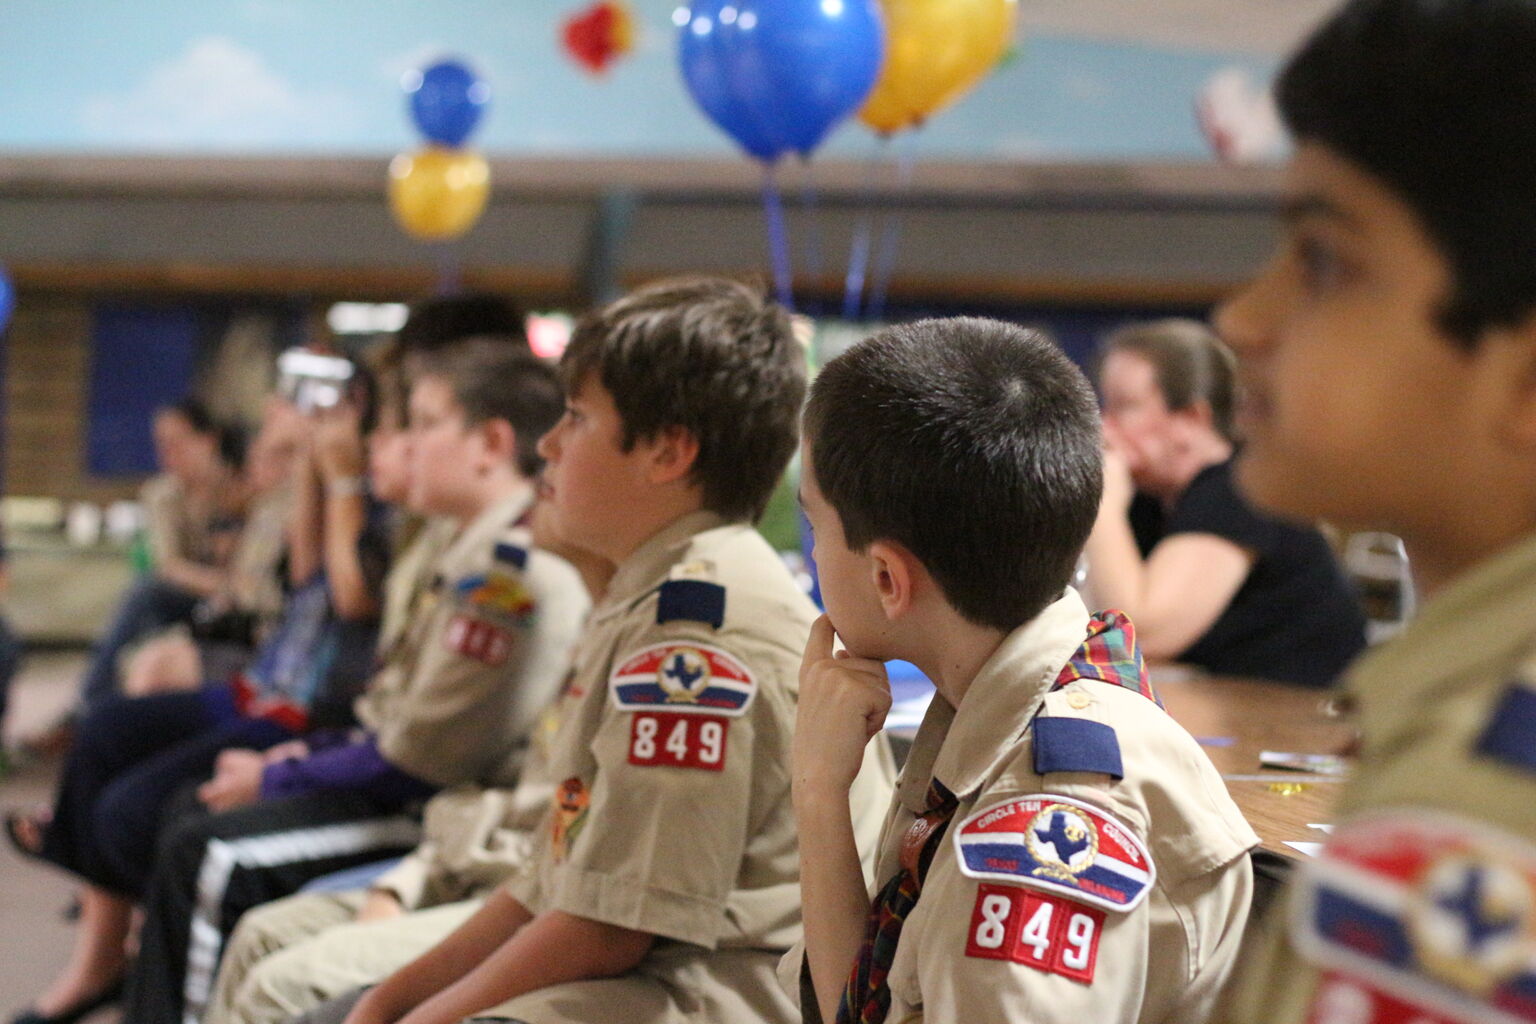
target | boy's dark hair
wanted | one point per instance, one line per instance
(1435, 98)
(492, 380)
(195, 413)
(445, 319)
(974, 444)
(230, 439)
(713, 357)
(1191, 363)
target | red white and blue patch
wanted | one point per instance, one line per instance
(1060, 845)
(1420, 911)
(687, 678)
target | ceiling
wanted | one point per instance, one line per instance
(1260, 27)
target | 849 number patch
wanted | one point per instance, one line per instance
(677, 740)
(1048, 933)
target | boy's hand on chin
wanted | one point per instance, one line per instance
(843, 703)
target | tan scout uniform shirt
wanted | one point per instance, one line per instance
(176, 524)
(973, 951)
(673, 812)
(1448, 765)
(484, 652)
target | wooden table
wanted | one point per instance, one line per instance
(1235, 719)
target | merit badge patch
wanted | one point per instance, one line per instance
(1419, 915)
(1057, 844)
(571, 800)
(688, 678)
(477, 639)
(1048, 933)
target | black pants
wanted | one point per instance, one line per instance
(212, 868)
(10, 660)
(130, 756)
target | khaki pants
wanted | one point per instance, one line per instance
(290, 956)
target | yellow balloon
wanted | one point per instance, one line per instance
(437, 193)
(935, 51)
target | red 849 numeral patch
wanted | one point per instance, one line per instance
(1049, 934)
(681, 741)
(478, 640)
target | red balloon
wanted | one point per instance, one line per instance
(599, 35)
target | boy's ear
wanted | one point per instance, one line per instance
(500, 439)
(673, 453)
(895, 574)
(1520, 373)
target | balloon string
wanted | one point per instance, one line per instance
(778, 239)
(811, 220)
(890, 239)
(858, 255)
(448, 282)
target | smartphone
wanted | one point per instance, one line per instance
(311, 381)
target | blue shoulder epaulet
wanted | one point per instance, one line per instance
(691, 601)
(1076, 745)
(1510, 735)
(512, 554)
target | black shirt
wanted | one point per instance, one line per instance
(1295, 618)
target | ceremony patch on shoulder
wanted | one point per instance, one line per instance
(1419, 915)
(1060, 845)
(690, 601)
(499, 593)
(683, 678)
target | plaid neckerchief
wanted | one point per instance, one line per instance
(1108, 654)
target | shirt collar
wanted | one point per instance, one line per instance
(959, 746)
(1477, 625)
(464, 552)
(649, 564)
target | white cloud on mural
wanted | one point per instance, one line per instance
(216, 93)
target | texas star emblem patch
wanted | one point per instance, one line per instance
(1423, 910)
(688, 678)
(1060, 845)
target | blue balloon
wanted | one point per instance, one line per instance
(7, 298)
(447, 100)
(777, 75)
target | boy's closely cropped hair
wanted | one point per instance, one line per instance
(1058, 848)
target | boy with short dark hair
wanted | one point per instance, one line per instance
(1389, 356)
(1059, 850)
(663, 886)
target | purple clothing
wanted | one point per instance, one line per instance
(356, 766)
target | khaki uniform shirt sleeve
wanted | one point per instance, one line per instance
(662, 845)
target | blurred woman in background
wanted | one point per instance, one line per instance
(1206, 579)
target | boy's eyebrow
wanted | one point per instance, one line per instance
(1309, 206)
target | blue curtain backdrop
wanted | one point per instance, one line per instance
(141, 358)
